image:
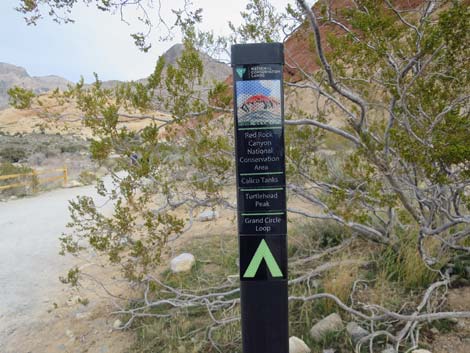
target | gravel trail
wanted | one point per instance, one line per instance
(30, 265)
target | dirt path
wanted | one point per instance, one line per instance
(30, 267)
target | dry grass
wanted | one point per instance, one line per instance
(339, 282)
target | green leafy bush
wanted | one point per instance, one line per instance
(12, 154)
(12, 169)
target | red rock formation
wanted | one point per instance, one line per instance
(300, 47)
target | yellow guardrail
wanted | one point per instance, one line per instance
(36, 178)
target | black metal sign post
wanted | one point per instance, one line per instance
(261, 183)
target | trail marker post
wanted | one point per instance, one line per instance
(261, 187)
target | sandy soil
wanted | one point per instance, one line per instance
(457, 341)
(58, 119)
(37, 312)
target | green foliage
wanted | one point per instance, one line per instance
(405, 265)
(12, 154)
(440, 90)
(398, 94)
(13, 169)
(87, 178)
(72, 277)
(216, 259)
(260, 23)
(316, 235)
(20, 98)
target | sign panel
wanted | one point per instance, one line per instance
(261, 183)
(262, 223)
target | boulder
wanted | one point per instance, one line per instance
(356, 332)
(117, 324)
(296, 345)
(207, 215)
(74, 184)
(331, 323)
(182, 263)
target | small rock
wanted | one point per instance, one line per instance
(434, 331)
(76, 299)
(73, 184)
(461, 325)
(208, 215)
(331, 323)
(420, 351)
(296, 345)
(12, 198)
(329, 350)
(69, 334)
(182, 263)
(117, 324)
(356, 332)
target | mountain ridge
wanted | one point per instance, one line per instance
(12, 75)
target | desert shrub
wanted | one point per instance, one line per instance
(47, 148)
(216, 260)
(404, 265)
(12, 154)
(316, 235)
(20, 98)
(72, 148)
(87, 178)
(11, 169)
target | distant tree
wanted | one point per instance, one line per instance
(396, 78)
(20, 97)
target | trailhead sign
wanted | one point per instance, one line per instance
(261, 187)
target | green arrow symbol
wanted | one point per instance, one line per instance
(261, 253)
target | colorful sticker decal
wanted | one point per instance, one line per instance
(259, 103)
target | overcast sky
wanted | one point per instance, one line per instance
(96, 42)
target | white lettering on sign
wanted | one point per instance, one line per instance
(252, 143)
(267, 159)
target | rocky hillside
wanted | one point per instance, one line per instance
(213, 69)
(11, 75)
